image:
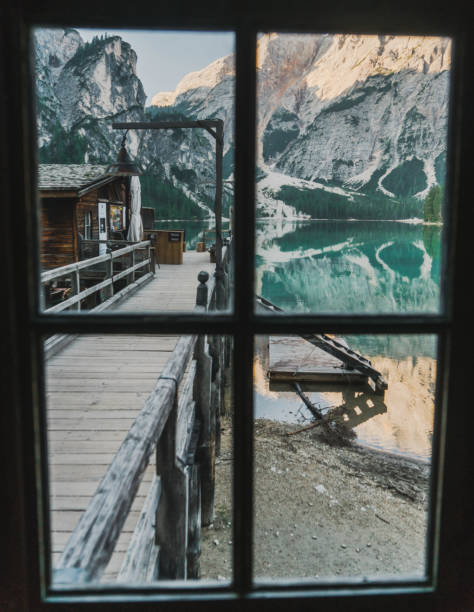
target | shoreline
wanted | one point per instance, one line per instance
(322, 511)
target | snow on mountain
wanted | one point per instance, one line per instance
(337, 114)
(364, 113)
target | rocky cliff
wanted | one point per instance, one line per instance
(367, 112)
(343, 116)
(82, 88)
(340, 118)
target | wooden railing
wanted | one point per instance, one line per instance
(101, 276)
(180, 422)
(226, 234)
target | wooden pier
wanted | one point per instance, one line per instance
(293, 359)
(133, 424)
(317, 358)
(97, 386)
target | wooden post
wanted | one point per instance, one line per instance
(194, 523)
(172, 513)
(218, 212)
(205, 452)
(227, 377)
(202, 397)
(132, 279)
(202, 290)
(152, 255)
(215, 350)
(76, 287)
(109, 266)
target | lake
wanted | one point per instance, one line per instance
(349, 266)
(354, 267)
(358, 267)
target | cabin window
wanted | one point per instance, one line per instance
(290, 501)
(88, 226)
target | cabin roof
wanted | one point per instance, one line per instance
(72, 177)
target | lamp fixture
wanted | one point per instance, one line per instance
(124, 166)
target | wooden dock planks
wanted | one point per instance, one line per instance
(96, 387)
(293, 359)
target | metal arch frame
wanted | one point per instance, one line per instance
(215, 127)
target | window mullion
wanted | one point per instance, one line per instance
(244, 301)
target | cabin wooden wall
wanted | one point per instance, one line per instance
(58, 246)
(88, 203)
(62, 221)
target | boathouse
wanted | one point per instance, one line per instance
(80, 203)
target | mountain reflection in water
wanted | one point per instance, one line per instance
(400, 422)
(345, 267)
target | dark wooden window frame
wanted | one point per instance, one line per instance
(25, 575)
(88, 226)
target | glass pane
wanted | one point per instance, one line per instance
(140, 477)
(105, 186)
(341, 471)
(351, 168)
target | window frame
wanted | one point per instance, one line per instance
(25, 325)
(88, 225)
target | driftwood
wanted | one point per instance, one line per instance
(310, 406)
(334, 432)
(297, 431)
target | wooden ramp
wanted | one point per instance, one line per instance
(96, 387)
(293, 359)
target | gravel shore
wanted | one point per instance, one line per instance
(322, 511)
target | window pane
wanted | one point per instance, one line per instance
(352, 143)
(104, 187)
(130, 461)
(342, 472)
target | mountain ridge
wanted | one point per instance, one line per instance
(352, 116)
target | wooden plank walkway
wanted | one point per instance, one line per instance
(96, 386)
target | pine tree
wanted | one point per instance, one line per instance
(434, 204)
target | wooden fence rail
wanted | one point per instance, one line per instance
(180, 421)
(102, 266)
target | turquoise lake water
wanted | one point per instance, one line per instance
(349, 266)
(354, 267)
(358, 267)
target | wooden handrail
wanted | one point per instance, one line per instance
(93, 541)
(49, 275)
(75, 269)
(91, 544)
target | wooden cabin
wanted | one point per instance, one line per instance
(79, 203)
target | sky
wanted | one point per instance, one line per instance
(164, 58)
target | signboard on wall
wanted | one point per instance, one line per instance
(116, 218)
(174, 236)
(102, 208)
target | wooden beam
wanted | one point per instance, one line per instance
(50, 193)
(166, 125)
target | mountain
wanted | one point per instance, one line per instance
(347, 125)
(82, 88)
(339, 116)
